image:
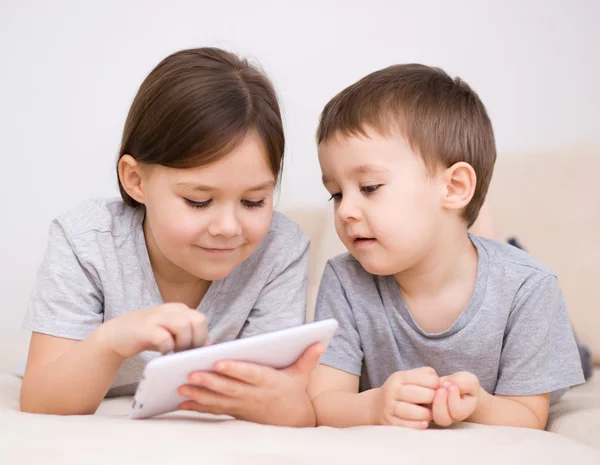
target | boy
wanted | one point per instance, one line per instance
(436, 325)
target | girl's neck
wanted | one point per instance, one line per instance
(174, 283)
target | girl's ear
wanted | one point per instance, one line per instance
(131, 177)
(460, 181)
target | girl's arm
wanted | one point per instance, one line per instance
(68, 377)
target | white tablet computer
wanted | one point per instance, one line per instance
(157, 390)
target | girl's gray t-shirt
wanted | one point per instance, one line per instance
(514, 334)
(96, 268)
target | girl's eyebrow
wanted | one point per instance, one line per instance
(270, 184)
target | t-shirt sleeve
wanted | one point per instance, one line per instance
(65, 301)
(539, 353)
(344, 351)
(282, 302)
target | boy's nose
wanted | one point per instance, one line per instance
(348, 210)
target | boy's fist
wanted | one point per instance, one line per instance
(456, 399)
(405, 397)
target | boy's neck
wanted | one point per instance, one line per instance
(450, 263)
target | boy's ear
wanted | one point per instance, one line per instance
(131, 177)
(460, 180)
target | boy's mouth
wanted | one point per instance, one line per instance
(361, 242)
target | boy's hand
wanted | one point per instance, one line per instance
(405, 397)
(254, 392)
(456, 399)
(165, 328)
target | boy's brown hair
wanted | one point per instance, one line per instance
(195, 107)
(443, 119)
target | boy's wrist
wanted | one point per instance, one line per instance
(302, 415)
(374, 405)
(484, 399)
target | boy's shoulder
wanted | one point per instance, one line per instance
(511, 258)
(111, 216)
(513, 271)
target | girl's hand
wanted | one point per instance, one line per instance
(165, 328)
(254, 392)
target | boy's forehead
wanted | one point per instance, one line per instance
(353, 156)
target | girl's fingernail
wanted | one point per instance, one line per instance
(221, 366)
(446, 384)
(197, 379)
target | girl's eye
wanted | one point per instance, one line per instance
(336, 197)
(250, 204)
(370, 189)
(193, 204)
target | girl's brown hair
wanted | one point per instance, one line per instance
(195, 107)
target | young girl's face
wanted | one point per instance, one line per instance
(205, 221)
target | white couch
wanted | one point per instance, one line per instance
(551, 202)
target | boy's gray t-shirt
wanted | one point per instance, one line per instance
(514, 335)
(96, 268)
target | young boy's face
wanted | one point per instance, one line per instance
(388, 208)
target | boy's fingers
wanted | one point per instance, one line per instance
(415, 394)
(406, 411)
(455, 405)
(425, 376)
(467, 383)
(460, 408)
(395, 421)
(441, 416)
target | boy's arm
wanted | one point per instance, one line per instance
(335, 398)
(461, 398)
(522, 411)
(401, 401)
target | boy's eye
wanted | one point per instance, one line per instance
(193, 204)
(250, 204)
(336, 197)
(370, 189)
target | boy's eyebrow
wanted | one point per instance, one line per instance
(362, 169)
(205, 188)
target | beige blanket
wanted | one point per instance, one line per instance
(111, 437)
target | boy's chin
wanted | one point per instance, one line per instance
(376, 267)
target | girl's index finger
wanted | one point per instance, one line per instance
(250, 373)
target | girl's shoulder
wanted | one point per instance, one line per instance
(285, 231)
(100, 216)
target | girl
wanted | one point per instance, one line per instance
(192, 247)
